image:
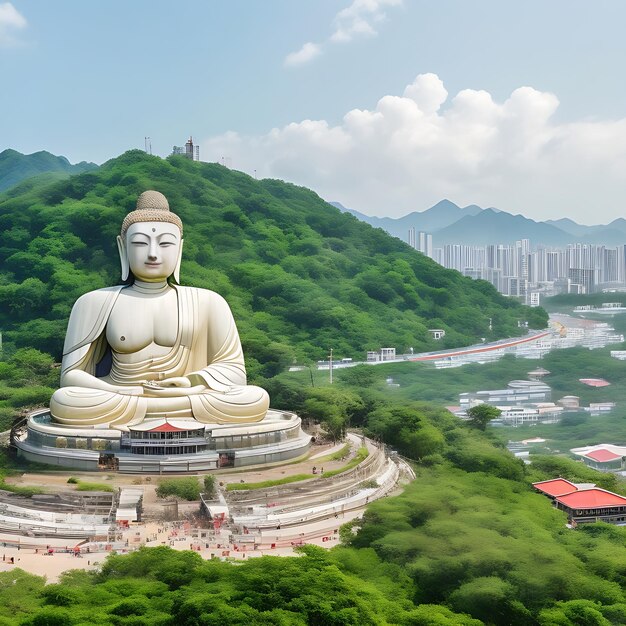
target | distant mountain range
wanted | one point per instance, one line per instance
(16, 167)
(473, 225)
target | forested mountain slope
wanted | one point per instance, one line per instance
(300, 276)
(16, 167)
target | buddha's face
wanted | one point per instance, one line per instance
(153, 249)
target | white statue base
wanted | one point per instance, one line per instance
(162, 445)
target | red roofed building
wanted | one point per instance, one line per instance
(594, 382)
(593, 505)
(165, 437)
(555, 487)
(166, 428)
(603, 459)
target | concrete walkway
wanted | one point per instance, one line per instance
(277, 531)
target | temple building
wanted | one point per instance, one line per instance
(584, 504)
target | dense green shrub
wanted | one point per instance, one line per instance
(187, 488)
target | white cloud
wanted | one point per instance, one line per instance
(307, 53)
(428, 92)
(359, 18)
(412, 150)
(356, 20)
(11, 20)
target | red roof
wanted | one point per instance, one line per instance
(603, 455)
(591, 499)
(594, 382)
(555, 487)
(166, 428)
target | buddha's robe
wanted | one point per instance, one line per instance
(207, 351)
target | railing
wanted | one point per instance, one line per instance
(315, 492)
(170, 443)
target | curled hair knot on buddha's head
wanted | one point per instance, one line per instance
(152, 206)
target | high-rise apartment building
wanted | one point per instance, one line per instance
(425, 243)
(518, 269)
(412, 237)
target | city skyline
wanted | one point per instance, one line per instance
(532, 272)
(386, 106)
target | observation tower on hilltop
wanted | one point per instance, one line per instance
(190, 150)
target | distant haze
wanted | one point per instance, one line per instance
(16, 167)
(472, 225)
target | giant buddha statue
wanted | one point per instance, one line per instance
(151, 348)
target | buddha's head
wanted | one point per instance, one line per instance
(151, 240)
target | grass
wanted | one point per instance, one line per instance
(82, 486)
(361, 454)
(336, 456)
(267, 483)
(20, 491)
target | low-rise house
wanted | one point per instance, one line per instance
(604, 457)
(584, 504)
(596, 408)
(593, 505)
(570, 403)
(517, 392)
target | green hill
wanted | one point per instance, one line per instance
(16, 167)
(300, 276)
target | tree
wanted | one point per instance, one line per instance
(209, 484)
(406, 428)
(492, 600)
(481, 414)
(333, 407)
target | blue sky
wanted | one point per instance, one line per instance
(384, 105)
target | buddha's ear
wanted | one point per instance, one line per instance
(180, 258)
(123, 258)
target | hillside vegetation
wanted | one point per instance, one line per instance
(16, 167)
(468, 542)
(300, 276)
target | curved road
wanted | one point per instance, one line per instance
(497, 345)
